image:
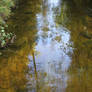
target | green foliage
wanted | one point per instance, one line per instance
(5, 11)
(4, 37)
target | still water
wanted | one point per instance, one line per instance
(52, 52)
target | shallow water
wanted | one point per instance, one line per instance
(52, 52)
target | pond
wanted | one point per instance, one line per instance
(52, 51)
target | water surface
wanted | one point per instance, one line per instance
(53, 49)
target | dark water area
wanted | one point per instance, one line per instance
(53, 48)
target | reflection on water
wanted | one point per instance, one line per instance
(14, 62)
(52, 50)
(77, 18)
(41, 55)
(41, 59)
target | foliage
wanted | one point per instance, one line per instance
(5, 11)
(4, 37)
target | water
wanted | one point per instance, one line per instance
(53, 49)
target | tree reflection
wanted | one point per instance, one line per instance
(14, 67)
(76, 17)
